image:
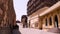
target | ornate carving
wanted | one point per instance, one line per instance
(7, 13)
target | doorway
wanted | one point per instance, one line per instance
(56, 21)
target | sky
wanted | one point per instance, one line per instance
(20, 7)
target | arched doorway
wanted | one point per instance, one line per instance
(56, 21)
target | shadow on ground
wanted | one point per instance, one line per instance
(16, 30)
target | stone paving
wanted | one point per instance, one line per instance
(32, 31)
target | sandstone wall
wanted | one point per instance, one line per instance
(7, 16)
(7, 13)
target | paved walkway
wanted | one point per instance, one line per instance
(32, 31)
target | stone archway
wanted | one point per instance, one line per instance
(56, 21)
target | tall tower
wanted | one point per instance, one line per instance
(24, 21)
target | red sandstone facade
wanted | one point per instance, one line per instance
(7, 16)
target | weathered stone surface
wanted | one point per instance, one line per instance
(7, 13)
(7, 16)
(5, 30)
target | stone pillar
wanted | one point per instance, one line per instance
(40, 22)
(53, 21)
(48, 22)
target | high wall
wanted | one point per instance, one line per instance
(7, 16)
(7, 13)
